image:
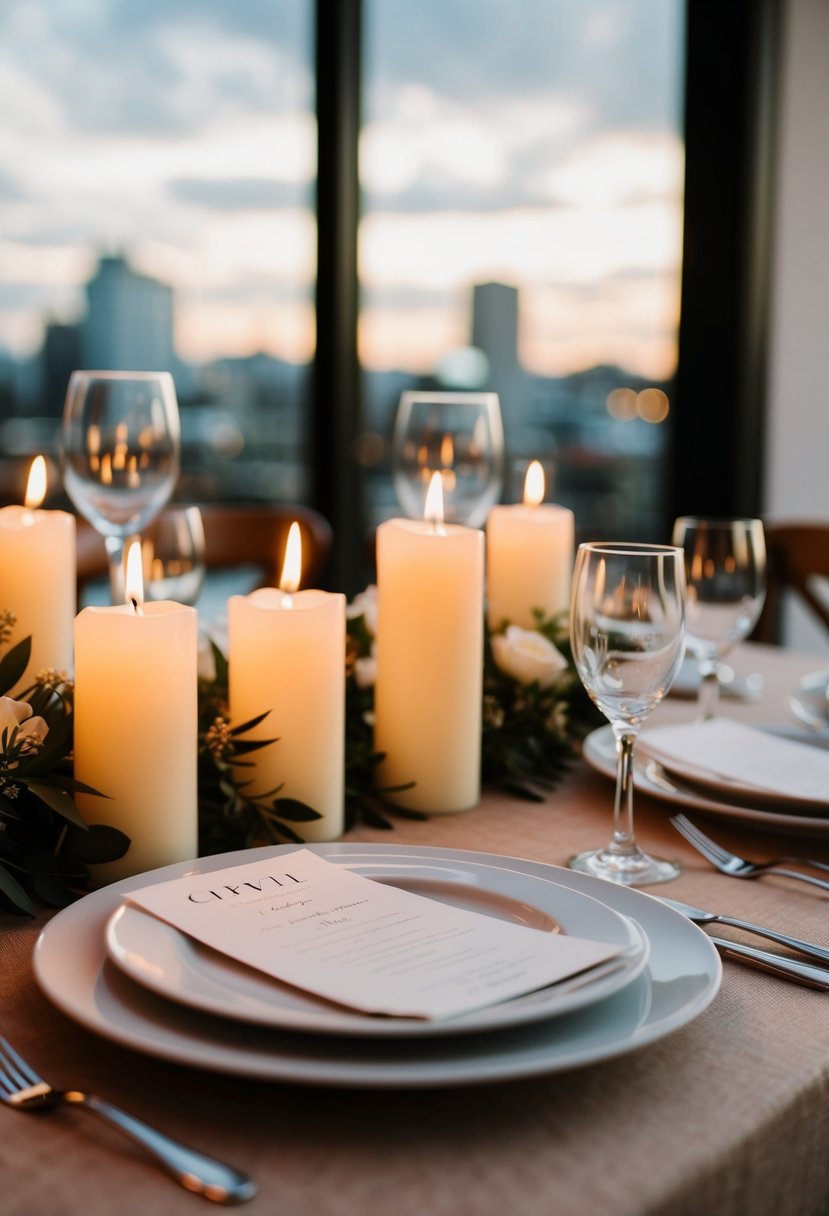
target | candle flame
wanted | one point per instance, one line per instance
(36, 485)
(433, 511)
(447, 451)
(134, 579)
(534, 485)
(292, 564)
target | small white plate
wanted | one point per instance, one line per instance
(810, 700)
(738, 688)
(681, 979)
(599, 751)
(181, 969)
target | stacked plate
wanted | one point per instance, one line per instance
(142, 983)
(690, 784)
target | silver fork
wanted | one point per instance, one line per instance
(741, 867)
(23, 1089)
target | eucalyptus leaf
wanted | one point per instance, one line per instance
(99, 843)
(59, 802)
(13, 895)
(13, 664)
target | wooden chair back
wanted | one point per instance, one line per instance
(236, 535)
(798, 553)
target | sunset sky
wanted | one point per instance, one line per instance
(536, 143)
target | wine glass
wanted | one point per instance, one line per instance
(458, 435)
(120, 454)
(725, 573)
(173, 557)
(627, 634)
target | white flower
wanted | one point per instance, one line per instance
(527, 656)
(31, 730)
(365, 605)
(365, 671)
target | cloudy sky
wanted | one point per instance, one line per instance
(534, 142)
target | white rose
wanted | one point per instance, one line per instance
(19, 714)
(365, 672)
(527, 656)
(365, 605)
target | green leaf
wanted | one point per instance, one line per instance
(59, 801)
(294, 811)
(12, 893)
(99, 843)
(13, 664)
(53, 890)
(250, 724)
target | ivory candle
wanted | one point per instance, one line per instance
(136, 725)
(529, 553)
(37, 577)
(430, 659)
(287, 657)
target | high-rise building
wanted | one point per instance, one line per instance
(495, 332)
(129, 320)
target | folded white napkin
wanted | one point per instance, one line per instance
(742, 755)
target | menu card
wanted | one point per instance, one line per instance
(741, 754)
(361, 943)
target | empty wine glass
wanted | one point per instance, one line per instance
(626, 632)
(725, 573)
(120, 454)
(172, 555)
(458, 435)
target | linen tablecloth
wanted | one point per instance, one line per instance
(728, 1116)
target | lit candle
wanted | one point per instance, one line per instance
(430, 659)
(37, 577)
(136, 725)
(529, 553)
(287, 658)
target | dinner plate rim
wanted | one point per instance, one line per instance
(598, 749)
(521, 1010)
(95, 993)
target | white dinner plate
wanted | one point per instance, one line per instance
(599, 750)
(681, 979)
(181, 969)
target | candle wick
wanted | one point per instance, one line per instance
(437, 528)
(136, 607)
(287, 600)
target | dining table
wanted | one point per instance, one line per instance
(728, 1115)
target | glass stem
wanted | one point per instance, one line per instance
(623, 841)
(709, 689)
(115, 553)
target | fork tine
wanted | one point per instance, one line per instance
(16, 1067)
(694, 836)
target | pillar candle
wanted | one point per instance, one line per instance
(136, 729)
(37, 577)
(430, 661)
(287, 657)
(530, 552)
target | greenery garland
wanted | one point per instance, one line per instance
(534, 714)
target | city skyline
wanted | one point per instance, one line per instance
(552, 161)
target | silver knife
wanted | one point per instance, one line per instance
(701, 917)
(787, 968)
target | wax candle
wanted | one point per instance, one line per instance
(37, 577)
(287, 657)
(529, 553)
(430, 659)
(136, 725)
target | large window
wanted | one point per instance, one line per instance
(522, 169)
(156, 212)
